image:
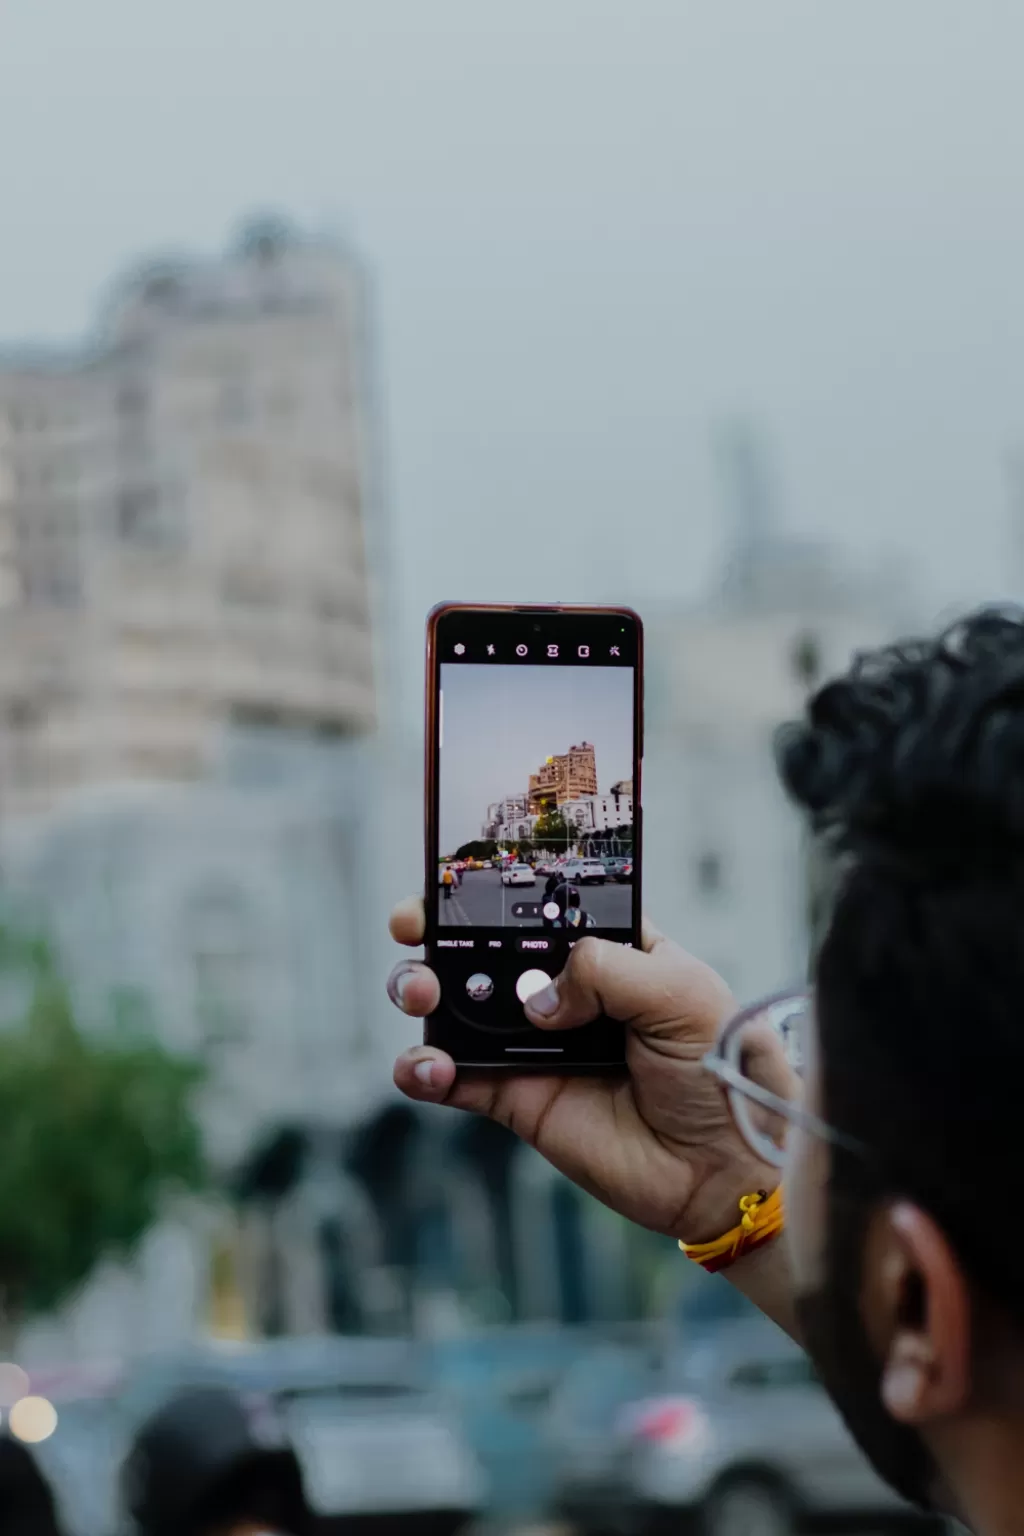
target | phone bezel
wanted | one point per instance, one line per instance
(440, 612)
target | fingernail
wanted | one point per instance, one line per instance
(400, 983)
(546, 1002)
(423, 1072)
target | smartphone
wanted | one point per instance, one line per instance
(534, 747)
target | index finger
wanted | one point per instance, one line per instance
(408, 922)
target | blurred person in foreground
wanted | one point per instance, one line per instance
(898, 1122)
(205, 1464)
(27, 1506)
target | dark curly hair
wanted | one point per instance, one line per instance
(27, 1506)
(911, 769)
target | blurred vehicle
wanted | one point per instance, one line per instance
(586, 871)
(619, 869)
(503, 1380)
(518, 874)
(376, 1442)
(706, 1302)
(582, 1424)
(487, 864)
(739, 1438)
(79, 1458)
(586, 1409)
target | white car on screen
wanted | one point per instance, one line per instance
(586, 872)
(518, 874)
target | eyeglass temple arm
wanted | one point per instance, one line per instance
(794, 1114)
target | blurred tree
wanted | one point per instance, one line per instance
(479, 848)
(553, 833)
(97, 1131)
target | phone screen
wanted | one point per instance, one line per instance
(533, 841)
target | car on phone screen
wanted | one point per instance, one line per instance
(518, 874)
(586, 872)
(619, 869)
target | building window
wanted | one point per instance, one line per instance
(149, 517)
(225, 963)
(250, 586)
(805, 659)
(234, 406)
(132, 401)
(709, 874)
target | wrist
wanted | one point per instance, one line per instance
(714, 1208)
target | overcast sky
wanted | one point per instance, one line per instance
(500, 723)
(597, 227)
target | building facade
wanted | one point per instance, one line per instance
(727, 866)
(182, 539)
(511, 832)
(565, 777)
(199, 802)
(599, 813)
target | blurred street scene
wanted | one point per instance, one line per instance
(211, 593)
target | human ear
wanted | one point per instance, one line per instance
(917, 1314)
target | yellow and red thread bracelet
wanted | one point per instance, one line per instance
(761, 1219)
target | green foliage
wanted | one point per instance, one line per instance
(480, 848)
(96, 1133)
(553, 833)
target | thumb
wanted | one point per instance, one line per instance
(660, 991)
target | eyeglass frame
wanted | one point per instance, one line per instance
(716, 1061)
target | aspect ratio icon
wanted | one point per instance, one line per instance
(521, 650)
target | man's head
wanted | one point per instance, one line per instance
(27, 1506)
(208, 1463)
(911, 1258)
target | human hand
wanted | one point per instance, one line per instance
(657, 1145)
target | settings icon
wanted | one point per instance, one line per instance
(460, 649)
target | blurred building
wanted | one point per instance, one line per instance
(193, 789)
(728, 870)
(182, 542)
(199, 800)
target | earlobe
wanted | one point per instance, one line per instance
(906, 1376)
